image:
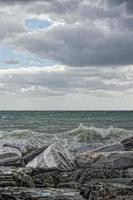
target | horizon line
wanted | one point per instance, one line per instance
(37, 110)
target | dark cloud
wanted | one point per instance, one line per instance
(80, 45)
(90, 39)
(21, 1)
(129, 4)
(85, 33)
(11, 62)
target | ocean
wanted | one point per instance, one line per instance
(69, 127)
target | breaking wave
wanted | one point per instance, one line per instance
(92, 134)
(75, 137)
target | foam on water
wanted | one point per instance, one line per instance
(93, 134)
(80, 135)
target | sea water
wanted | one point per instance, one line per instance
(69, 127)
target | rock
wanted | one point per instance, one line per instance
(128, 143)
(110, 148)
(76, 178)
(15, 177)
(27, 158)
(24, 146)
(47, 179)
(23, 179)
(86, 147)
(106, 191)
(15, 162)
(128, 173)
(8, 154)
(114, 160)
(55, 156)
(92, 184)
(17, 193)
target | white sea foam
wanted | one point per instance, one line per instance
(82, 134)
(93, 134)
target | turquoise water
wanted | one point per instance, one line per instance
(69, 127)
(60, 121)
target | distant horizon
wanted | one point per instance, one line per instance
(68, 110)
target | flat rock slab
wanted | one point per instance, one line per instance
(39, 194)
(8, 152)
(110, 148)
(9, 155)
(114, 160)
(22, 145)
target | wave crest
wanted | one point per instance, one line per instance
(92, 134)
(82, 134)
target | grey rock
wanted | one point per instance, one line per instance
(107, 191)
(8, 154)
(15, 177)
(39, 194)
(114, 160)
(128, 173)
(55, 156)
(24, 146)
(75, 178)
(92, 184)
(86, 147)
(110, 148)
(128, 143)
(27, 158)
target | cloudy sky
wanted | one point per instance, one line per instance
(66, 54)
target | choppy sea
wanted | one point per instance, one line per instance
(70, 127)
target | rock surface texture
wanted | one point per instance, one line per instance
(55, 156)
(54, 173)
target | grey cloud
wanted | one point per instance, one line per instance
(12, 2)
(11, 62)
(93, 33)
(60, 81)
(10, 25)
(129, 4)
(80, 45)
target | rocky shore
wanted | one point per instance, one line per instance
(53, 172)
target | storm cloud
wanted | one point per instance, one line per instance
(85, 33)
(89, 43)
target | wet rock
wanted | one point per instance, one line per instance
(110, 148)
(75, 178)
(114, 160)
(24, 147)
(27, 158)
(86, 147)
(104, 184)
(128, 173)
(39, 194)
(15, 177)
(55, 156)
(47, 179)
(128, 143)
(8, 154)
(106, 191)
(16, 162)
(23, 179)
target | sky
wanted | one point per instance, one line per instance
(66, 54)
